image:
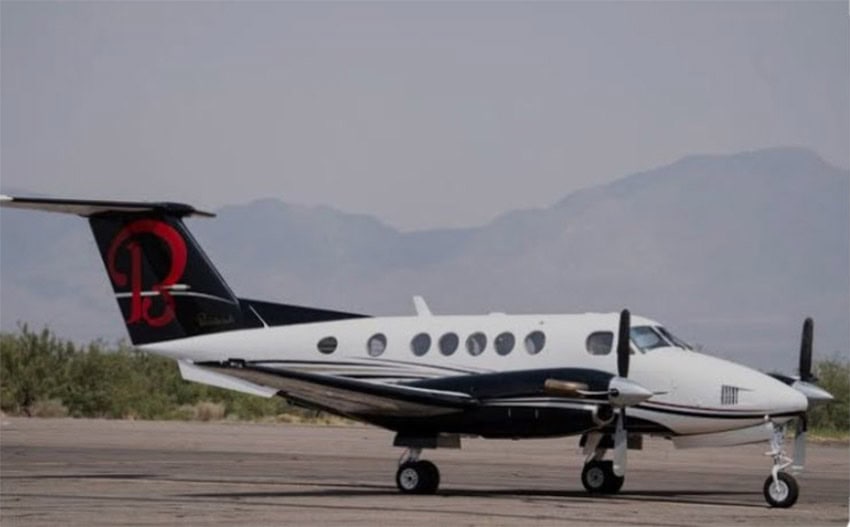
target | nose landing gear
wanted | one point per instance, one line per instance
(780, 488)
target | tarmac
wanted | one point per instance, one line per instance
(101, 472)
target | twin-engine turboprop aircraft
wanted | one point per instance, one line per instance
(610, 378)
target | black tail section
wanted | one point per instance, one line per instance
(165, 285)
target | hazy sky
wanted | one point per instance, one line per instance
(424, 115)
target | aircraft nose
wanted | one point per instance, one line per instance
(785, 399)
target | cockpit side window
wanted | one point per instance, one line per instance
(599, 343)
(646, 338)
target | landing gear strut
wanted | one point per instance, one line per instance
(416, 476)
(780, 488)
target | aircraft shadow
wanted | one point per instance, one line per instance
(683, 496)
(82, 476)
(695, 497)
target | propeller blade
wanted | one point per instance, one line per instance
(623, 347)
(620, 444)
(800, 444)
(624, 392)
(806, 351)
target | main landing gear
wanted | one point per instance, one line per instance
(598, 476)
(780, 488)
(416, 476)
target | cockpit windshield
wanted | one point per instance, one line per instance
(674, 339)
(648, 338)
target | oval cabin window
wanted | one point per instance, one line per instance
(376, 345)
(534, 342)
(504, 343)
(420, 344)
(448, 344)
(327, 345)
(476, 343)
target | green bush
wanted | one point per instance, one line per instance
(833, 376)
(45, 376)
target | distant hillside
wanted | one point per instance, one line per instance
(732, 251)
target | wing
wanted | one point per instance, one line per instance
(341, 395)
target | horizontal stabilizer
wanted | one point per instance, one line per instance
(190, 372)
(86, 207)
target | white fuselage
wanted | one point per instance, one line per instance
(694, 393)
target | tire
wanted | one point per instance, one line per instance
(598, 478)
(417, 477)
(784, 494)
(433, 478)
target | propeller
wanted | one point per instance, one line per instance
(623, 348)
(806, 351)
(806, 380)
(806, 385)
(623, 355)
(806, 376)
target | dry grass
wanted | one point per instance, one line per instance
(48, 408)
(208, 411)
(320, 419)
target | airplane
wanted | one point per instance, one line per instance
(610, 378)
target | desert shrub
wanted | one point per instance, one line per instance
(833, 376)
(48, 408)
(208, 411)
(41, 374)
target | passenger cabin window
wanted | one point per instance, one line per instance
(476, 343)
(600, 343)
(534, 342)
(376, 345)
(420, 344)
(448, 343)
(327, 345)
(646, 338)
(504, 343)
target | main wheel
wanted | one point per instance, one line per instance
(783, 493)
(598, 478)
(417, 477)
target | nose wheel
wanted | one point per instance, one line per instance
(782, 492)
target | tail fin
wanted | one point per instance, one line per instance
(165, 285)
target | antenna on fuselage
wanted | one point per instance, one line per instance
(421, 306)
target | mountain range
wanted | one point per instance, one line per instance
(731, 251)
